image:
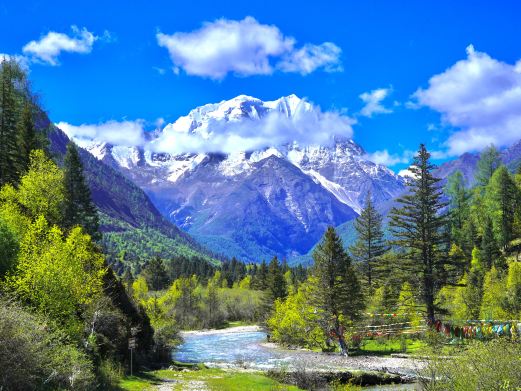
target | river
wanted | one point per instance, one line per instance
(246, 348)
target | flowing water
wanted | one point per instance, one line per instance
(229, 349)
(245, 348)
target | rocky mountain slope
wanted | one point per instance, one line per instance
(130, 222)
(253, 204)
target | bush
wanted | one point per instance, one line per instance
(493, 365)
(34, 357)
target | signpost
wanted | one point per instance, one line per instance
(132, 344)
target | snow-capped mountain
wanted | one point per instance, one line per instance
(271, 201)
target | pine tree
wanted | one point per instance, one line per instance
(261, 278)
(337, 294)
(10, 74)
(459, 206)
(79, 208)
(277, 288)
(502, 199)
(489, 248)
(418, 228)
(370, 245)
(155, 274)
(27, 136)
(488, 162)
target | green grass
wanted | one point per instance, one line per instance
(385, 347)
(213, 379)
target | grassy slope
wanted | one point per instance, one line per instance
(213, 379)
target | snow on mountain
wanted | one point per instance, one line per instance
(193, 189)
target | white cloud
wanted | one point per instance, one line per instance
(244, 48)
(306, 128)
(373, 102)
(128, 133)
(50, 46)
(312, 57)
(387, 159)
(481, 96)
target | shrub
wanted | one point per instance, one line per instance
(493, 365)
(34, 357)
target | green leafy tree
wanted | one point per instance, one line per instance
(41, 191)
(58, 276)
(370, 245)
(79, 208)
(488, 162)
(337, 295)
(513, 288)
(494, 296)
(418, 227)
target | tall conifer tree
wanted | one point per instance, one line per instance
(370, 245)
(419, 228)
(10, 74)
(79, 208)
(337, 294)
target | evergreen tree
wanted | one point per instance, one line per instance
(489, 248)
(459, 207)
(418, 227)
(277, 288)
(27, 136)
(261, 278)
(155, 274)
(79, 208)
(502, 200)
(488, 162)
(10, 74)
(370, 245)
(337, 293)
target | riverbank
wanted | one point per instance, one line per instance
(228, 330)
(245, 347)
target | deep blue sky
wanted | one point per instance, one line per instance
(398, 44)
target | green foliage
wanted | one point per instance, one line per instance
(370, 245)
(277, 287)
(34, 355)
(8, 248)
(295, 322)
(489, 161)
(58, 276)
(155, 274)
(418, 227)
(513, 287)
(502, 198)
(11, 96)
(79, 209)
(493, 296)
(459, 206)
(338, 295)
(492, 365)
(41, 191)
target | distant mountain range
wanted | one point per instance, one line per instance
(133, 229)
(467, 163)
(254, 204)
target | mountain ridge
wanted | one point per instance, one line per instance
(193, 189)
